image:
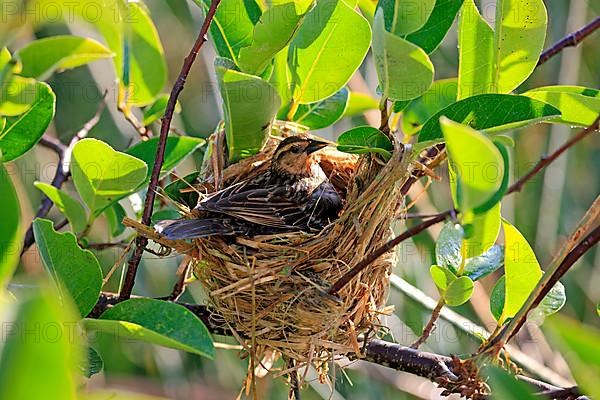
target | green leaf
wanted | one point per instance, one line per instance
(483, 265)
(490, 112)
(404, 69)
(102, 175)
(21, 133)
(459, 291)
(448, 246)
(440, 95)
(553, 302)
(157, 109)
(18, 95)
(523, 271)
(143, 73)
(483, 231)
(505, 386)
(442, 277)
(10, 230)
(497, 299)
(173, 190)
(437, 26)
(67, 205)
(359, 103)
(476, 162)
(272, 33)
(73, 268)
(475, 52)
(363, 140)
(249, 105)
(322, 113)
(158, 322)
(233, 25)
(580, 345)
(328, 48)
(114, 215)
(93, 363)
(403, 16)
(42, 57)
(41, 355)
(519, 35)
(177, 149)
(578, 105)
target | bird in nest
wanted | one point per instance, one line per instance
(294, 194)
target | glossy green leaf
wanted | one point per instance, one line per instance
(250, 105)
(403, 16)
(477, 163)
(114, 215)
(174, 190)
(18, 96)
(67, 205)
(580, 345)
(578, 105)
(519, 35)
(322, 113)
(483, 231)
(359, 103)
(483, 265)
(497, 298)
(43, 57)
(459, 291)
(490, 112)
(21, 133)
(404, 69)
(475, 52)
(553, 302)
(41, 355)
(327, 49)
(363, 140)
(233, 25)
(11, 237)
(158, 322)
(440, 95)
(523, 271)
(448, 246)
(157, 109)
(144, 70)
(102, 175)
(177, 149)
(272, 33)
(437, 26)
(75, 270)
(442, 277)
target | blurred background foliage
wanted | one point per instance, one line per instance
(545, 212)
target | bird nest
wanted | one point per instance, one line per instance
(272, 291)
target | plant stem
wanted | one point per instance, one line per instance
(435, 315)
(570, 40)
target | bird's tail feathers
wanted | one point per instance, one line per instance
(181, 229)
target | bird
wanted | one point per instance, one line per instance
(292, 195)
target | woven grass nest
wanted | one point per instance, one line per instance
(272, 290)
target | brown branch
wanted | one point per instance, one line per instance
(546, 160)
(141, 242)
(365, 262)
(435, 315)
(62, 170)
(570, 40)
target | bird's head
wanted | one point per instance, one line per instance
(293, 156)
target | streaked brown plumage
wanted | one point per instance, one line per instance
(292, 195)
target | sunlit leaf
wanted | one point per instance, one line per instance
(437, 26)
(359, 103)
(67, 205)
(441, 276)
(459, 291)
(440, 95)
(578, 105)
(403, 17)
(10, 228)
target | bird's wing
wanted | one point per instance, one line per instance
(260, 205)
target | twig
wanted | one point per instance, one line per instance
(62, 170)
(141, 242)
(365, 262)
(385, 117)
(546, 160)
(108, 245)
(569, 41)
(435, 314)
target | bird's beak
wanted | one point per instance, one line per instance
(315, 145)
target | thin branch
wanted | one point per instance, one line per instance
(62, 170)
(569, 41)
(141, 242)
(546, 160)
(365, 262)
(435, 315)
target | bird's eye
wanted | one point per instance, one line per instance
(295, 149)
